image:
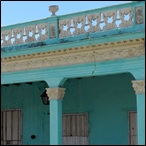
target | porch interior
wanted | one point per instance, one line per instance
(106, 100)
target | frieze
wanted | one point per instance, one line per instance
(70, 56)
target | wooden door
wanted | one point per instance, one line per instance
(133, 128)
(75, 129)
(11, 127)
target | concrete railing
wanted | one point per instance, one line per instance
(113, 18)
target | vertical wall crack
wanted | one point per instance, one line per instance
(94, 63)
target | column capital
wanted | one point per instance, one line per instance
(55, 93)
(139, 86)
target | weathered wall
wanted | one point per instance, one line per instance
(35, 114)
(107, 99)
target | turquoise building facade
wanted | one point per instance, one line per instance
(90, 65)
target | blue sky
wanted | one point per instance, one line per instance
(13, 12)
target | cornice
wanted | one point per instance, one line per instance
(92, 53)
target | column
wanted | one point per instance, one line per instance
(55, 96)
(139, 87)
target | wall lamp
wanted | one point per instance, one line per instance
(45, 98)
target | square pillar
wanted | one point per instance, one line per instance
(139, 87)
(55, 96)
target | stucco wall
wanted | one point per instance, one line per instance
(107, 100)
(35, 114)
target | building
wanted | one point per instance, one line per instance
(90, 67)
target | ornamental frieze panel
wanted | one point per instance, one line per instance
(74, 56)
(138, 15)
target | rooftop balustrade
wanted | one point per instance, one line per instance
(96, 23)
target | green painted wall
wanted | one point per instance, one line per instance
(107, 99)
(35, 114)
(141, 118)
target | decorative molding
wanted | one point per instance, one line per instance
(96, 22)
(22, 35)
(139, 86)
(138, 15)
(74, 25)
(4, 34)
(62, 24)
(18, 35)
(30, 33)
(53, 9)
(52, 30)
(42, 27)
(93, 53)
(91, 18)
(79, 21)
(123, 12)
(110, 14)
(55, 93)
